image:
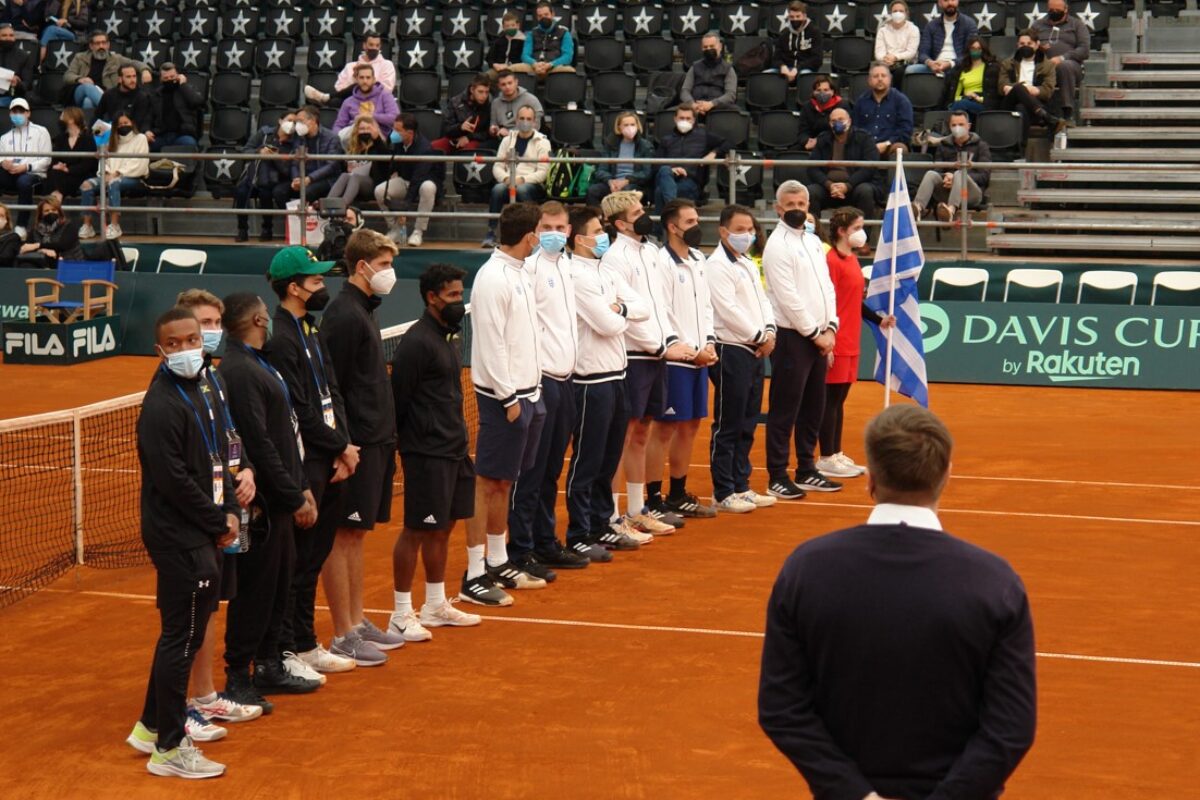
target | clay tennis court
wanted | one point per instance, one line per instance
(638, 679)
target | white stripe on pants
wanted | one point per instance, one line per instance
(396, 189)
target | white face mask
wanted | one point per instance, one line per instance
(287, 126)
(629, 131)
(186, 363)
(301, 129)
(684, 125)
(959, 131)
(741, 242)
(858, 238)
(383, 281)
(898, 17)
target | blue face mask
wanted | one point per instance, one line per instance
(396, 138)
(186, 363)
(840, 128)
(810, 227)
(601, 245)
(552, 242)
(212, 340)
(17, 119)
(741, 242)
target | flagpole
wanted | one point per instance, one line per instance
(887, 373)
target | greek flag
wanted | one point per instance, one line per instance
(898, 262)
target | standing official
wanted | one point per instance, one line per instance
(805, 308)
(439, 478)
(745, 329)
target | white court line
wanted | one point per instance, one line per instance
(1142, 662)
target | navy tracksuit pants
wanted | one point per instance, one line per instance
(737, 381)
(531, 503)
(797, 402)
(597, 443)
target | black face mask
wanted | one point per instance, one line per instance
(125, 130)
(797, 25)
(317, 300)
(1056, 16)
(1024, 53)
(365, 137)
(711, 56)
(692, 236)
(643, 226)
(372, 54)
(49, 219)
(795, 219)
(452, 314)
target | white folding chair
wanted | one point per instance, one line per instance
(867, 270)
(1108, 280)
(1175, 280)
(183, 259)
(1035, 279)
(962, 277)
(131, 257)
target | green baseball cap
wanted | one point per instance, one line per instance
(292, 261)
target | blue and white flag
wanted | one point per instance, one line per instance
(899, 245)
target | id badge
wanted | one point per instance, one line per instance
(233, 444)
(327, 411)
(218, 481)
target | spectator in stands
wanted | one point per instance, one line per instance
(319, 174)
(17, 59)
(18, 172)
(1027, 84)
(628, 141)
(64, 176)
(10, 240)
(95, 71)
(372, 54)
(467, 118)
(973, 84)
(123, 173)
(798, 49)
(261, 177)
(897, 41)
(65, 21)
(53, 236)
(943, 40)
(946, 187)
(408, 183)
(884, 112)
(505, 106)
(710, 82)
(368, 98)
(25, 16)
(549, 46)
(128, 98)
(176, 105)
(365, 139)
(506, 49)
(688, 140)
(814, 116)
(1066, 42)
(525, 142)
(861, 187)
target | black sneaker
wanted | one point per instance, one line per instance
(610, 539)
(816, 482)
(530, 564)
(590, 550)
(509, 576)
(240, 689)
(784, 489)
(483, 591)
(272, 677)
(560, 557)
(266, 235)
(690, 506)
(242, 236)
(659, 510)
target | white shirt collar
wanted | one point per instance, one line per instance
(896, 514)
(508, 260)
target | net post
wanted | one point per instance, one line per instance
(77, 476)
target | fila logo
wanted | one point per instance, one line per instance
(430, 520)
(354, 517)
(204, 584)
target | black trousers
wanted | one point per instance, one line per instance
(282, 192)
(831, 422)
(1025, 101)
(531, 506)
(865, 197)
(255, 615)
(596, 443)
(244, 193)
(737, 381)
(797, 402)
(189, 582)
(298, 632)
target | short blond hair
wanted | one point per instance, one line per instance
(192, 299)
(367, 245)
(624, 115)
(616, 204)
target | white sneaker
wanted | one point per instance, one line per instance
(408, 626)
(185, 761)
(830, 467)
(200, 729)
(315, 95)
(20, 231)
(296, 667)
(447, 615)
(321, 660)
(623, 526)
(415, 239)
(848, 463)
(735, 504)
(226, 710)
(759, 500)
(113, 231)
(86, 231)
(648, 524)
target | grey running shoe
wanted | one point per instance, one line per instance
(352, 646)
(185, 761)
(591, 551)
(483, 591)
(384, 640)
(690, 506)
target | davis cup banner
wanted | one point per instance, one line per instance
(1039, 344)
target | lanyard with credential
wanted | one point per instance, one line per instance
(210, 443)
(233, 440)
(287, 396)
(322, 385)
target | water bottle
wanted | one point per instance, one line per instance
(242, 543)
(1060, 140)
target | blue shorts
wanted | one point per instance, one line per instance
(504, 449)
(645, 386)
(687, 394)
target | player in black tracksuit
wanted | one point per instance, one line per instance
(262, 410)
(189, 512)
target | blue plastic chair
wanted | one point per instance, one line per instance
(91, 275)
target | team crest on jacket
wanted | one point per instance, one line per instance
(550, 282)
(520, 289)
(682, 278)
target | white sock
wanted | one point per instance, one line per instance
(206, 699)
(637, 497)
(616, 515)
(497, 552)
(475, 561)
(403, 604)
(435, 595)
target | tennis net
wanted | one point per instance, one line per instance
(70, 485)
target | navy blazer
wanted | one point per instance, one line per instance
(933, 36)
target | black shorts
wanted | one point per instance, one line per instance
(367, 498)
(189, 572)
(437, 491)
(504, 449)
(645, 387)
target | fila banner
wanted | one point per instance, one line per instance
(48, 343)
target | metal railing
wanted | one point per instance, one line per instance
(732, 163)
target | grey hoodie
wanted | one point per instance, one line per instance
(504, 112)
